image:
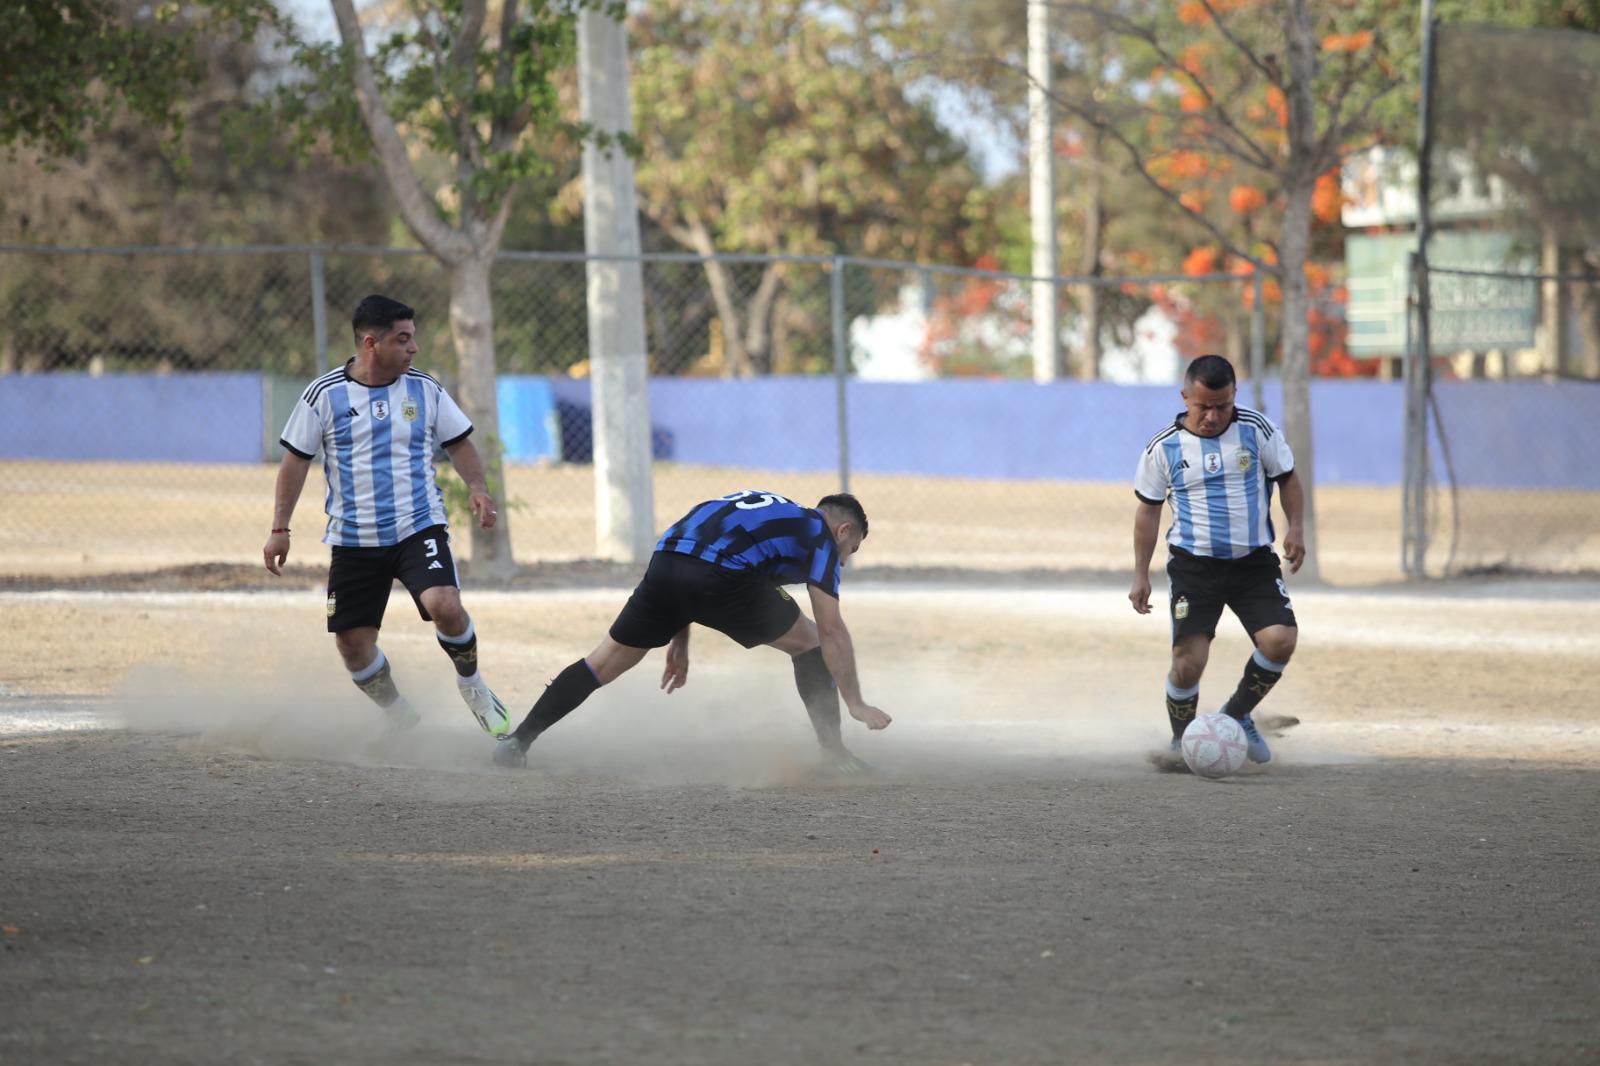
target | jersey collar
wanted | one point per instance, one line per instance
(1185, 414)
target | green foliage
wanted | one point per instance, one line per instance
(71, 66)
(482, 115)
(458, 498)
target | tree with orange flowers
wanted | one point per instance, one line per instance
(1243, 116)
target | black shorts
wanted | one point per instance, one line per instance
(1251, 587)
(678, 589)
(360, 579)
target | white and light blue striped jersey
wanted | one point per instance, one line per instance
(1220, 487)
(377, 452)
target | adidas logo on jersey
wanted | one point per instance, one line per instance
(351, 413)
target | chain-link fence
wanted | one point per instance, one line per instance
(144, 390)
(1504, 414)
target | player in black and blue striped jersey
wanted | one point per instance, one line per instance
(724, 565)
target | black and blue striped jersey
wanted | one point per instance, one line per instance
(761, 531)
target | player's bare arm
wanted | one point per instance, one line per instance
(1292, 493)
(1146, 529)
(840, 654)
(291, 480)
(676, 673)
(469, 464)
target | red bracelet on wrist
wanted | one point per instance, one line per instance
(285, 529)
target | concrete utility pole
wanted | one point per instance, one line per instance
(1042, 195)
(618, 370)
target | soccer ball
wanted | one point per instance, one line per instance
(1213, 745)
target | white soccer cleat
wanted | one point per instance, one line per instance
(401, 715)
(487, 709)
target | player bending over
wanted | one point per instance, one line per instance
(1217, 463)
(376, 420)
(723, 565)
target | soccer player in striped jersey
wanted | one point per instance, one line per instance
(1217, 463)
(724, 565)
(376, 420)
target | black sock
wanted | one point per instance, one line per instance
(1180, 711)
(821, 697)
(571, 687)
(380, 687)
(462, 652)
(1253, 686)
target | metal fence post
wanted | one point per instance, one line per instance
(319, 311)
(1414, 496)
(841, 372)
(1258, 343)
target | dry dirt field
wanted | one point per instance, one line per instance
(208, 852)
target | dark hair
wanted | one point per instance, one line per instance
(843, 501)
(378, 314)
(1212, 371)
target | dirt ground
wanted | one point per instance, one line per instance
(211, 853)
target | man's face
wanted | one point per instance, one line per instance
(1210, 410)
(392, 352)
(847, 539)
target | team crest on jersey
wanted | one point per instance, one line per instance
(380, 409)
(1180, 609)
(1243, 461)
(408, 410)
(1213, 463)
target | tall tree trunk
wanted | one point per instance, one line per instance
(1293, 249)
(694, 235)
(1552, 305)
(1585, 362)
(758, 319)
(472, 327)
(1094, 222)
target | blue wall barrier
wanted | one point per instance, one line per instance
(1520, 434)
(175, 418)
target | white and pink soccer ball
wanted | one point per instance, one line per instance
(1214, 745)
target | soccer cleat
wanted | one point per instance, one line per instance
(510, 753)
(487, 709)
(1256, 749)
(400, 715)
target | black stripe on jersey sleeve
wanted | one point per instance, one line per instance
(1255, 419)
(1158, 438)
(413, 372)
(1275, 478)
(1145, 499)
(319, 386)
(291, 448)
(829, 551)
(453, 441)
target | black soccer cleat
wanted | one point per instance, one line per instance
(510, 754)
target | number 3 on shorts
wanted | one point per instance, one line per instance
(1283, 591)
(433, 549)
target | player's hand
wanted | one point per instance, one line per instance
(481, 504)
(870, 716)
(1294, 549)
(1139, 595)
(676, 674)
(275, 552)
